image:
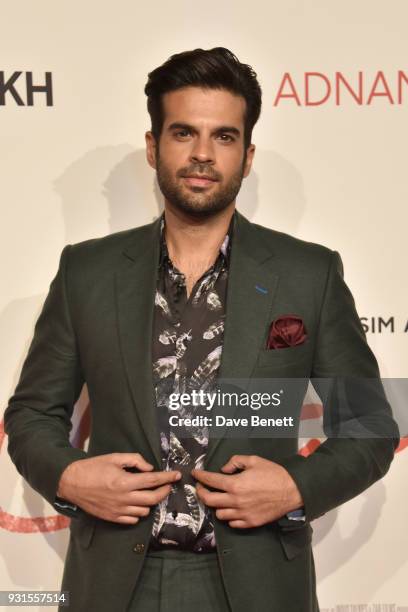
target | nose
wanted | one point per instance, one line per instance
(202, 151)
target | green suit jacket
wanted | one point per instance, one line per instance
(95, 327)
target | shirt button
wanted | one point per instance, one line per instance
(139, 548)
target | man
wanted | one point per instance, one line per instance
(169, 520)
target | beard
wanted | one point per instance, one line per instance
(195, 200)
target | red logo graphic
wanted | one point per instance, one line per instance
(362, 89)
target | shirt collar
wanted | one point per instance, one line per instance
(225, 248)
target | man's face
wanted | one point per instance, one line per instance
(200, 159)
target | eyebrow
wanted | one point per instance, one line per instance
(223, 128)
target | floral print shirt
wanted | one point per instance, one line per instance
(187, 345)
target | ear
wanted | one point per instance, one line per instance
(249, 159)
(151, 149)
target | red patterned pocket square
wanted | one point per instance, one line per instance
(286, 330)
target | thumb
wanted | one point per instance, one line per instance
(236, 462)
(129, 460)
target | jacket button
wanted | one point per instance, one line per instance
(138, 548)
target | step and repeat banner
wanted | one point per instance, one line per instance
(330, 167)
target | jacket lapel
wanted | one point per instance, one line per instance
(252, 284)
(135, 293)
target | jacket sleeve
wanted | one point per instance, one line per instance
(357, 418)
(38, 416)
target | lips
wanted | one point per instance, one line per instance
(201, 180)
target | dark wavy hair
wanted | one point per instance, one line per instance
(216, 68)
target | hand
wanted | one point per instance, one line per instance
(100, 486)
(260, 494)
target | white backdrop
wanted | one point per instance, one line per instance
(332, 172)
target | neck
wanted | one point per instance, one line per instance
(194, 243)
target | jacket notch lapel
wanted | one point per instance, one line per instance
(252, 285)
(135, 293)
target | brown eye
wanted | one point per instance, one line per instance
(226, 137)
(182, 133)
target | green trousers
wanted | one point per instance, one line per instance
(179, 581)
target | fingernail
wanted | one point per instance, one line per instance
(178, 476)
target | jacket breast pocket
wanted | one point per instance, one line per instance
(284, 356)
(82, 529)
(296, 541)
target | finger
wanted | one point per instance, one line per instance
(148, 498)
(131, 460)
(228, 514)
(213, 479)
(239, 524)
(133, 511)
(153, 479)
(127, 520)
(238, 462)
(214, 499)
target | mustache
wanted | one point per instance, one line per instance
(200, 169)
